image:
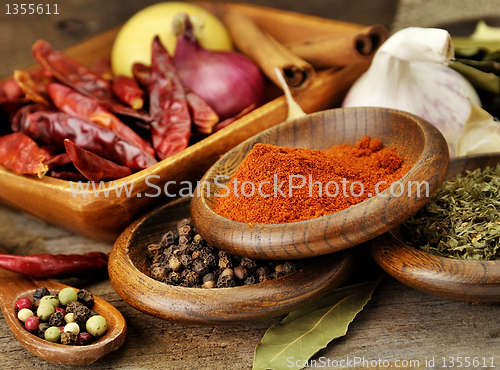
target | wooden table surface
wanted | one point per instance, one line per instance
(399, 323)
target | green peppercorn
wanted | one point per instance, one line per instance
(52, 299)
(44, 311)
(53, 334)
(67, 295)
(96, 325)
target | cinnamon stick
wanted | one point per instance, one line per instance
(267, 52)
(341, 50)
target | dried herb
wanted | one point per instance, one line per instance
(462, 220)
(307, 330)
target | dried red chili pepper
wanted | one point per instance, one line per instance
(93, 167)
(128, 91)
(228, 121)
(171, 126)
(142, 74)
(57, 160)
(80, 78)
(102, 67)
(56, 265)
(204, 117)
(53, 127)
(22, 155)
(34, 85)
(9, 89)
(67, 175)
(18, 121)
(72, 102)
(70, 72)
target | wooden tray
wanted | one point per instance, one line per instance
(104, 217)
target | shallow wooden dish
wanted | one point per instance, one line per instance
(419, 142)
(470, 281)
(14, 286)
(128, 268)
(103, 217)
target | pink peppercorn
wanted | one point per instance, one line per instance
(61, 310)
(83, 339)
(32, 323)
(24, 303)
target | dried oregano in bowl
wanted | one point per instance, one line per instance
(462, 220)
(184, 259)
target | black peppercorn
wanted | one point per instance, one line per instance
(86, 298)
(174, 264)
(160, 258)
(225, 281)
(249, 264)
(209, 277)
(200, 268)
(278, 268)
(208, 257)
(168, 239)
(81, 313)
(249, 280)
(289, 267)
(42, 328)
(190, 278)
(263, 270)
(40, 292)
(57, 319)
(240, 272)
(159, 272)
(225, 263)
(68, 338)
(184, 240)
(186, 260)
(173, 278)
(154, 250)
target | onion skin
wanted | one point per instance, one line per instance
(228, 81)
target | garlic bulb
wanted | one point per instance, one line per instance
(409, 72)
(481, 133)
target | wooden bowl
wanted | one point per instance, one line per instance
(104, 217)
(128, 268)
(470, 281)
(419, 142)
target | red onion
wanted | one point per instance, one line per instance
(228, 81)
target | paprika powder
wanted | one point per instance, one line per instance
(279, 184)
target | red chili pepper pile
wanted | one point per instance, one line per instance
(74, 123)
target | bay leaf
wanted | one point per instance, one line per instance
(304, 332)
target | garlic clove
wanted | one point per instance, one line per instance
(481, 133)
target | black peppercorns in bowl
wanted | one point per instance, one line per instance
(184, 259)
(135, 258)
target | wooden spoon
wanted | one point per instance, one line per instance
(14, 286)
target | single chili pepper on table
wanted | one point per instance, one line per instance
(21, 154)
(72, 102)
(171, 126)
(52, 128)
(128, 91)
(56, 265)
(80, 78)
(92, 166)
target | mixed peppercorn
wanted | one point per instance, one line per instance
(184, 259)
(65, 318)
